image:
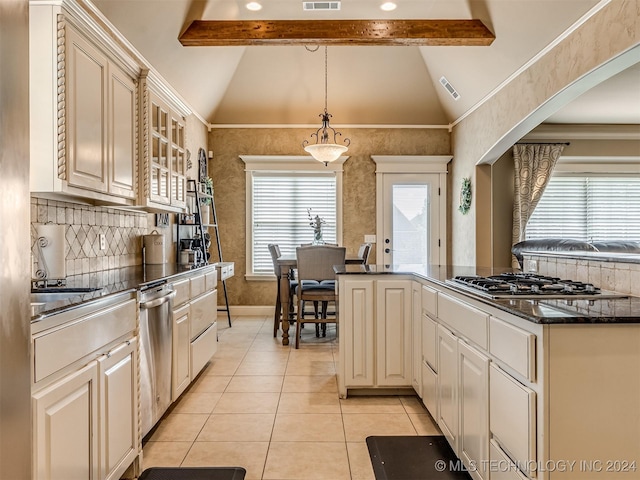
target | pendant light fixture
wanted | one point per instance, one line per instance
(322, 150)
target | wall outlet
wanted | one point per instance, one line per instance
(103, 241)
(369, 239)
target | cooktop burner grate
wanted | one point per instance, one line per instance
(529, 285)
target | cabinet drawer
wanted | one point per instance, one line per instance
(430, 301)
(204, 312)
(429, 342)
(79, 338)
(203, 348)
(430, 389)
(211, 280)
(515, 347)
(512, 417)
(467, 320)
(502, 468)
(182, 292)
(225, 270)
(197, 285)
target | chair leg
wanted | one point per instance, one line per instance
(315, 315)
(298, 324)
(276, 315)
(324, 315)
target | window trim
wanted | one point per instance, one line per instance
(284, 163)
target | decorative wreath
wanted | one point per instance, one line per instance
(465, 196)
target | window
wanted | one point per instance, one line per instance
(280, 191)
(588, 208)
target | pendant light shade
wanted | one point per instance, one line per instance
(323, 150)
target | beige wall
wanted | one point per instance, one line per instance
(506, 117)
(359, 187)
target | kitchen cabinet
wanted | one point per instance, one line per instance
(85, 391)
(509, 394)
(375, 334)
(65, 427)
(447, 417)
(163, 158)
(84, 134)
(473, 398)
(181, 365)
(118, 376)
(416, 338)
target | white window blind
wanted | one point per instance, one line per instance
(279, 212)
(588, 208)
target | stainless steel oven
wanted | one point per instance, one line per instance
(156, 306)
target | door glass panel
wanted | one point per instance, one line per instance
(163, 154)
(410, 224)
(174, 131)
(163, 123)
(155, 150)
(155, 179)
(155, 116)
(164, 184)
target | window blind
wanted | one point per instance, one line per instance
(588, 208)
(279, 212)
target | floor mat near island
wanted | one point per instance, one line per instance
(414, 458)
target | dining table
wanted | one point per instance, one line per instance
(288, 264)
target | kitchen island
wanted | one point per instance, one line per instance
(521, 388)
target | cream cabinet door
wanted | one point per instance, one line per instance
(159, 172)
(118, 409)
(448, 385)
(357, 334)
(86, 122)
(393, 333)
(416, 336)
(473, 397)
(180, 365)
(65, 428)
(178, 162)
(122, 133)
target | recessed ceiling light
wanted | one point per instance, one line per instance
(388, 6)
(254, 6)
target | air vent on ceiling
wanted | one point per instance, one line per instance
(321, 5)
(452, 91)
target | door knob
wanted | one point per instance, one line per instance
(387, 250)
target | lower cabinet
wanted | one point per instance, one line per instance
(463, 399)
(416, 338)
(181, 363)
(448, 385)
(118, 374)
(375, 334)
(65, 427)
(86, 424)
(473, 397)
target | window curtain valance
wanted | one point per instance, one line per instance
(533, 166)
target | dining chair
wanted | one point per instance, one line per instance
(364, 251)
(316, 263)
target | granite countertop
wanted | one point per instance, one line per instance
(112, 282)
(544, 311)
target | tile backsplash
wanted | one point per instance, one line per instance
(619, 276)
(83, 225)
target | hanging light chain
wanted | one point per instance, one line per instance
(325, 78)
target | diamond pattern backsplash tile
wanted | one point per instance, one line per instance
(123, 232)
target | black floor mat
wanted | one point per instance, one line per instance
(414, 458)
(193, 473)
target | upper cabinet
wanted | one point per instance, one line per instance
(163, 173)
(104, 126)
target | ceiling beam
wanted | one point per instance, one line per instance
(217, 33)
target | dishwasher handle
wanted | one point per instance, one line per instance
(156, 302)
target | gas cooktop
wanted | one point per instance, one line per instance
(529, 286)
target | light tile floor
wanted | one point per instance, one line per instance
(276, 412)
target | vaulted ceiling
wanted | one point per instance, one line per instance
(367, 85)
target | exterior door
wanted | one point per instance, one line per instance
(410, 230)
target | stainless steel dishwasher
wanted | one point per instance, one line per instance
(156, 319)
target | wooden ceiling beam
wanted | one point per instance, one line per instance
(217, 33)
